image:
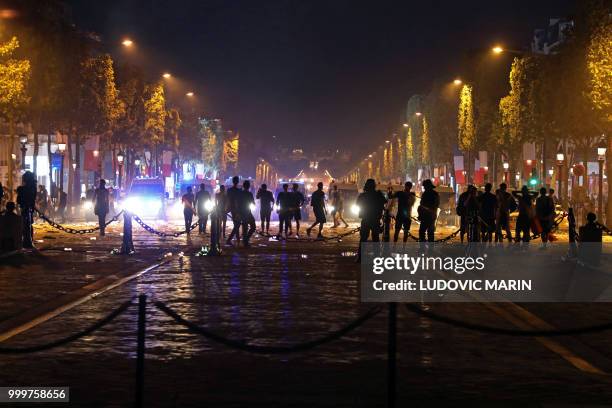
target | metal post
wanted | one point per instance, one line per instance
(571, 221)
(214, 233)
(140, 350)
(600, 211)
(127, 245)
(392, 355)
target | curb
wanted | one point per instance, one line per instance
(46, 311)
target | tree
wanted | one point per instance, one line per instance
(425, 144)
(599, 66)
(155, 120)
(14, 76)
(466, 133)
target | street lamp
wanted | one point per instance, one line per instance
(137, 163)
(601, 157)
(405, 125)
(189, 94)
(418, 113)
(457, 81)
(127, 42)
(560, 161)
(166, 75)
(497, 49)
(23, 139)
(120, 162)
(61, 147)
(506, 166)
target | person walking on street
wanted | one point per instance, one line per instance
(428, 211)
(488, 210)
(101, 205)
(283, 200)
(405, 202)
(545, 212)
(317, 202)
(505, 205)
(221, 204)
(462, 211)
(266, 202)
(371, 204)
(61, 205)
(188, 200)
(525, 207)
(234, 198)
(337, 200)
(247, 205)
(297, 201)
(26, 199)
(202, 198)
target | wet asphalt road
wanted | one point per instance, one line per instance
(281, 293)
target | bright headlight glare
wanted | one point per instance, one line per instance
(332, 208)
(209, 205)
(276, 207)
(88, 205)
(252, 207)
(355, 209)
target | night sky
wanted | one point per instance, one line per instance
(317, 74)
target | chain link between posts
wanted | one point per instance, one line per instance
(162, 234)
(71, 230)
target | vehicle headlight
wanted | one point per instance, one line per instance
(177, 208)
(153, 205)
(209, 205)
(133, 204)
(332, 208)
(252, 207)
(88, 205)
(355, 209)
(276, 207)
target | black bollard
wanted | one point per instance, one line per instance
(140, 350)
(214, 233)
(571, 221)
(127, 246)
(392, 355)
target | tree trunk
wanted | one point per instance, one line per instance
(70, 169)
(50, 159)
(11, 180)
(35, 157)
(76, 188)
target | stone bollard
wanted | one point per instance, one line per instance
(127, 246)
(571, 221)
(214, 233)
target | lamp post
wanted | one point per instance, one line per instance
(560, 160)
(61, 148)
(506, 166)
(137, 164)
(601, 157)
(120, 158)
(23, 139)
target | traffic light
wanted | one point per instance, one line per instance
(533, 181)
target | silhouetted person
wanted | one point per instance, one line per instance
(1, 192)
(61, 205)
(525, 207)
(11, 229)
(221, 200)
(317, 202)
(505, 205)
(200, 204)
(247, 205)
(488, 211)
(371, 205)
(590, 236)
(101, 205)
(188, 200)
(428, 211)
(266, 202)
(462, 211)
(337, 201)
(297, 201)
(545, 211)
(405, 202)
(283, 199)
(26, 199)
(234, 198)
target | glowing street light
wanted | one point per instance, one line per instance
(497, 49)
(189, 94)
(387, 141)
(457, 81)
(405, 125)
(418, 113)
(166, 75)
(127, 42)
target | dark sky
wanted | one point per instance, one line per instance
(332, 73)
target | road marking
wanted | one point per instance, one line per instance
(48, 310)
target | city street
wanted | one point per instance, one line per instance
(280, 293)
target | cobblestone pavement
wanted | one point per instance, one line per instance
(278, 293)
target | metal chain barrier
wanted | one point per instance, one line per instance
(508, 332)
(152, 230)
(324, 239)
(96, 326)
(71, 230)
(236, 344)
